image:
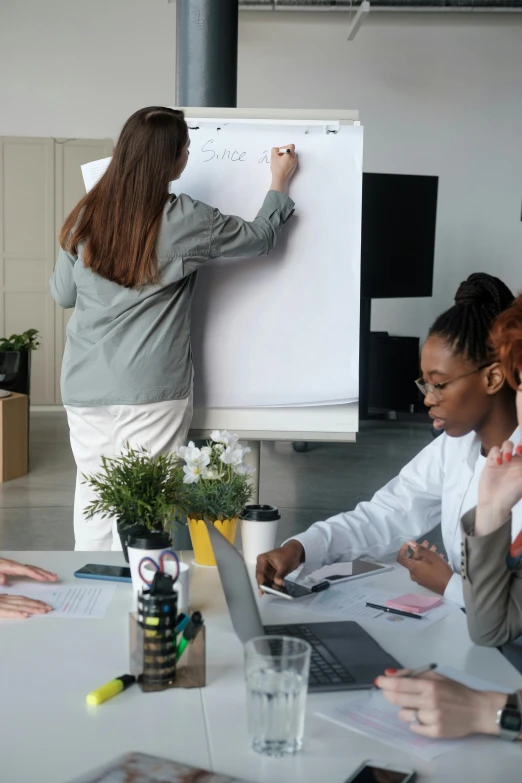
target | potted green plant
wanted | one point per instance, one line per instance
(15, 361)
(213, 485)
(138, 490)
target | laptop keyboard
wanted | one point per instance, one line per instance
(325, 669)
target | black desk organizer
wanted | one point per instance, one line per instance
(153, 647)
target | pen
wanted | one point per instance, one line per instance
(110, 689)
(191, 631)
(414, 672)
(182, 620)
(395, 611)
(284, 151)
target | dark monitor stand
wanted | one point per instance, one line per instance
(389, 366)
(399, 215)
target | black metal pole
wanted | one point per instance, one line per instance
(206, 52)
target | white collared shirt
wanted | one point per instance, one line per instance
(436, 486)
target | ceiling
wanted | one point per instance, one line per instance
(390, 5)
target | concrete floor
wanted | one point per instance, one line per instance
(36, 511)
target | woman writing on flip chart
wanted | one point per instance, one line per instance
(128, 258)
(466, 391)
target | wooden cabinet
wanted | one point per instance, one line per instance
(13, 437)
(40, 181)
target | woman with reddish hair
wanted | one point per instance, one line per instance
(492, 562)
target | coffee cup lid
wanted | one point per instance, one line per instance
(260, 513)
(151, 541)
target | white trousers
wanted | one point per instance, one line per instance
(103, 431)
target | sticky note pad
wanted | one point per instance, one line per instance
(414, 603)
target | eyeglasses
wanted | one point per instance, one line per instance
(435, 389)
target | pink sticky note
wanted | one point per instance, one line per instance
(414, 603)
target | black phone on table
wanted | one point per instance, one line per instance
(376, 772)
(293, 590)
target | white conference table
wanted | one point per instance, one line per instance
(48, 665)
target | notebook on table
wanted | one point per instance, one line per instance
(142, 768)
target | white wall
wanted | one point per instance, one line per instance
(79, 68)
(438, 94)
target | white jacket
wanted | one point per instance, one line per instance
(428, 490)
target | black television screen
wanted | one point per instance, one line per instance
(399, 215)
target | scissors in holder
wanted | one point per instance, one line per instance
(158, 567)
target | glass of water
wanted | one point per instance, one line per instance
(276, 670)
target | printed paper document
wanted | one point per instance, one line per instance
(66, 600)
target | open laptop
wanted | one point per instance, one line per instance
(344, 656)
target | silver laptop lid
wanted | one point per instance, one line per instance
(239, 595)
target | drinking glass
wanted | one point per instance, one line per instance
(276, 671)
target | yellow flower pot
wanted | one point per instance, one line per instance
(203, 552)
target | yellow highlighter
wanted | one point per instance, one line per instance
(110, 689)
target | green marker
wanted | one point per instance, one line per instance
(190, 632)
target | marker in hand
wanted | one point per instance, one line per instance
(284, 151)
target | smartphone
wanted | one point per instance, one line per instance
(373, 772)
(359, 568)
(112, 573)
(293, 590)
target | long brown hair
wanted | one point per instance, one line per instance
(506, 339)
(119, 219)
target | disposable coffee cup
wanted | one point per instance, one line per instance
(145, 546)
(181, 585)
(258, 530)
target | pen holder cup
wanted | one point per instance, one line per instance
(188, 672)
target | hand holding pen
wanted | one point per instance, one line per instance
(436, 706)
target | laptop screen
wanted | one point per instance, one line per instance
(237, 587)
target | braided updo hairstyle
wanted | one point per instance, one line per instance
(466, 325)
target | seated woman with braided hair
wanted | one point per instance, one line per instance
(469, 399)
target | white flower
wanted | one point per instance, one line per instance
(225, 437)
(193, 456)
(184, 451)
(207, 450)
(243, 469)
(211, 473)
(232, 455)
(192, 474)
(218, 448)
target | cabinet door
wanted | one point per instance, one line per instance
(69, 156)
(27, 251)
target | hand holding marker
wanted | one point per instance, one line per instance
(283, 163)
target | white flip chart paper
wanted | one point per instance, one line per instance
(282, 329)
